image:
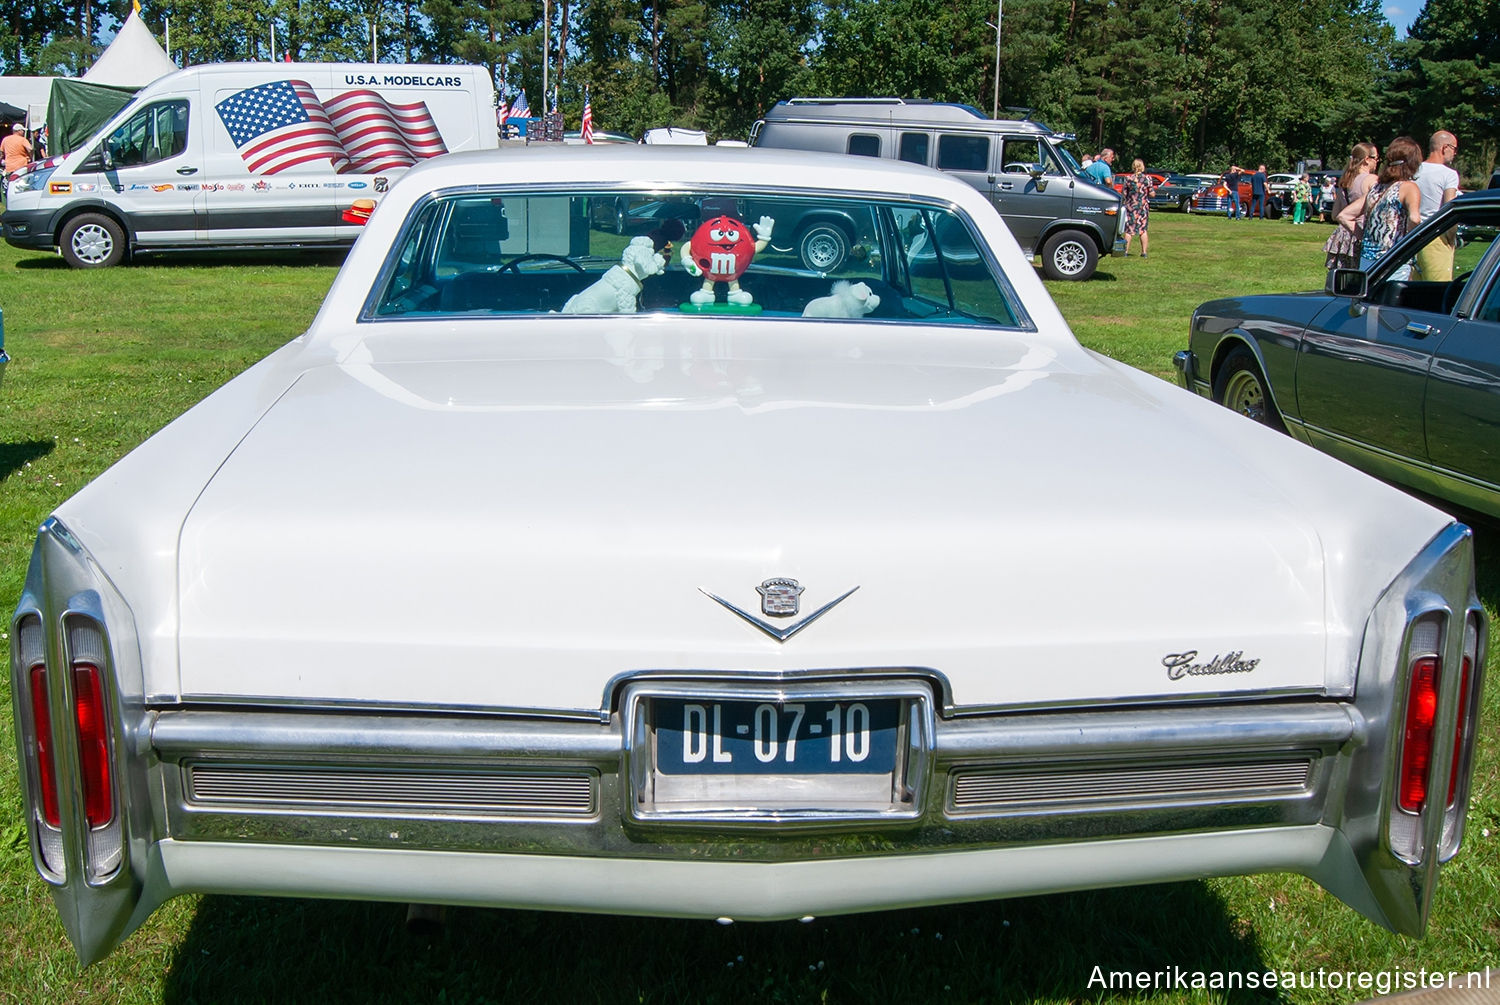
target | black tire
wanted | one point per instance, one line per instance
(1069, 254)
(1240, 387)
(92, 241)
(1185, 204)
(823, 247)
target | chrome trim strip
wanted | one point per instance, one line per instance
(506, 792)
(979, 789)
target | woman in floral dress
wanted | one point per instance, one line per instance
(1138, 190)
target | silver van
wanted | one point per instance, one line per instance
(1052, 208)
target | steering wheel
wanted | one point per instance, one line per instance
(511, 266)
(1454, 290)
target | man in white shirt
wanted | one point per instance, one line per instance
(1438, 183)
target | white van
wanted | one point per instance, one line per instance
(244, 155)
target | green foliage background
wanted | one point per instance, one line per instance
(1185, 84)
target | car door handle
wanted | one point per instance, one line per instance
(187, 170)
(1419, 330)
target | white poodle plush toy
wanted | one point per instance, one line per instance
(618, 291)
(848, 300)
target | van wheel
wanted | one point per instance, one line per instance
(823, 247)
(1069, 254)
(92, 241)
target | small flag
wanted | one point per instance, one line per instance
(519, 109)
(588, 118)
(554, 101)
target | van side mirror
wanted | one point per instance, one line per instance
(1347, 283)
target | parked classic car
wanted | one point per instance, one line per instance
(1214, 198)
(1396, 372)
(727, 596)
(1173, 191)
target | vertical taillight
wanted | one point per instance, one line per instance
(41, 727)
(93, 744)
(1416, 741)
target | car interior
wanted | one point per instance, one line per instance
(1474, 249)
(496, 253)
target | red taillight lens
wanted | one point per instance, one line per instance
(93, 744)
(1416, 745)
(41, 722)
(1458, 729)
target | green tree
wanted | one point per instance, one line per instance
(1447, 76)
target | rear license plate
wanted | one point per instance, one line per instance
(738, 737)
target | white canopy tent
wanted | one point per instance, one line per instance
(133, 59)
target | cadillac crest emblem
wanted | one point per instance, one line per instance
(779, 598)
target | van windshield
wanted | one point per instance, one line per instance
(1074, 168)
(765, 255)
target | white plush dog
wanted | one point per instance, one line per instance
(618, 291)
(848, 300)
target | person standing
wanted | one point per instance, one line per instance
(1099, 172)
(1354, 184)
(1258, 192)
(1232, 185)
(1301, 200)
(1138, 190)
(1438, 184)
(1325, 199)
(1392, 207)
(15, 149)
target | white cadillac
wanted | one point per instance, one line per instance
(594, 552)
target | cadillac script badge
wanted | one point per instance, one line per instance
(779, 598)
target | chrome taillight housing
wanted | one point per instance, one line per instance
(38, 751)
(66, 705)
(1427, 782)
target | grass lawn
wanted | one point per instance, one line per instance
(103, 359)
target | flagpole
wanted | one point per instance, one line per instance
(546, 57)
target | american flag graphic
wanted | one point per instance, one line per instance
(588, 118)
(380, 136)
(282, 124)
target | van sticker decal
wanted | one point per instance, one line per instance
(261, 186)
(59, 187)
(161, 188)
(282, 124)
(84, 186)
(381, 184)
(356, 184)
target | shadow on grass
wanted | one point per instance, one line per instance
(286, 257)
(242, 949)
(15, 456)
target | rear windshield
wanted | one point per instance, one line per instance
(507, 253)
